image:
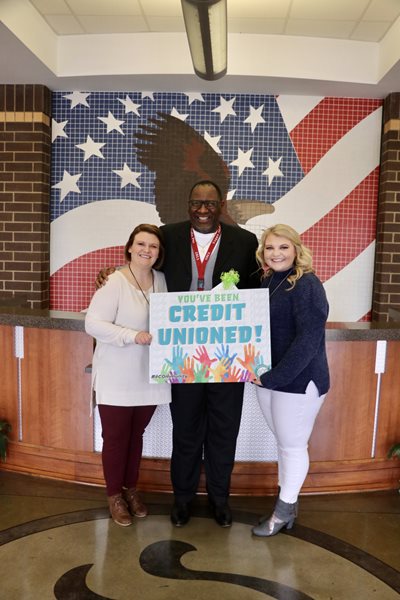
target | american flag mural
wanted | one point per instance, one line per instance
(118, 159)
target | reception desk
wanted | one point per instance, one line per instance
(45, 394)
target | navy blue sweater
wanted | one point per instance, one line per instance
(298, 318)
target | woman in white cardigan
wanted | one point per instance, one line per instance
(118, 317)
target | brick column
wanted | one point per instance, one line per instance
(25, 143)
(387, 260)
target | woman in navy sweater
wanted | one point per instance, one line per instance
(292, 392)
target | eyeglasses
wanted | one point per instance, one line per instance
(212, 204)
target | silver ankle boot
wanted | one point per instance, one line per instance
(283, 516)
(266, 517)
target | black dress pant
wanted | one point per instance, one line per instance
(205, 419)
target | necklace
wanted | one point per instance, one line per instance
(279, 284)
(139, 286)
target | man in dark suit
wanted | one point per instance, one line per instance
(205, 416)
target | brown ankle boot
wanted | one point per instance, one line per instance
(136, 506)
(119, 510)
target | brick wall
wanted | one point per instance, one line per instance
(387, 260)
(25, 141)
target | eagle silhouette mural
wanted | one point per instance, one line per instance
(180, 157)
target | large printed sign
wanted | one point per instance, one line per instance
(215, 336)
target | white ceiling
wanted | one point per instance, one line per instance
(313, 47)
(365, 20)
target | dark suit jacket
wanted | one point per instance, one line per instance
(236, 250)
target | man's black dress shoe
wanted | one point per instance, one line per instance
(180, 513)
(223, 515)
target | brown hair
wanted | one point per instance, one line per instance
(147, 228)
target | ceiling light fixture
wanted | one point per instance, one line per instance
(206, 29)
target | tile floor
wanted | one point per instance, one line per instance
(57, 541)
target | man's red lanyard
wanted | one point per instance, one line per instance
(201, 265)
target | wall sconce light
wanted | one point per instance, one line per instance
(206, 29)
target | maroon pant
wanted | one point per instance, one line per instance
(122, 432)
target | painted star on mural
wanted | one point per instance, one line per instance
(57, 129)
(243, 160)
(127, 176)
(225, 108)
(181, 116)
(192, 96)
(68, 184)
(112, 123)
(213, 141)
(273, 170)
(91, 148)
(78, 98)
(255, 117)
(130, 105)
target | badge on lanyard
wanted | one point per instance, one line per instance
(201, 264)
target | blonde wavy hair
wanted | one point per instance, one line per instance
(303, 258)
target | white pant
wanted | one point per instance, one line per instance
(291, 419)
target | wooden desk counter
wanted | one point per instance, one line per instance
(45, 394)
